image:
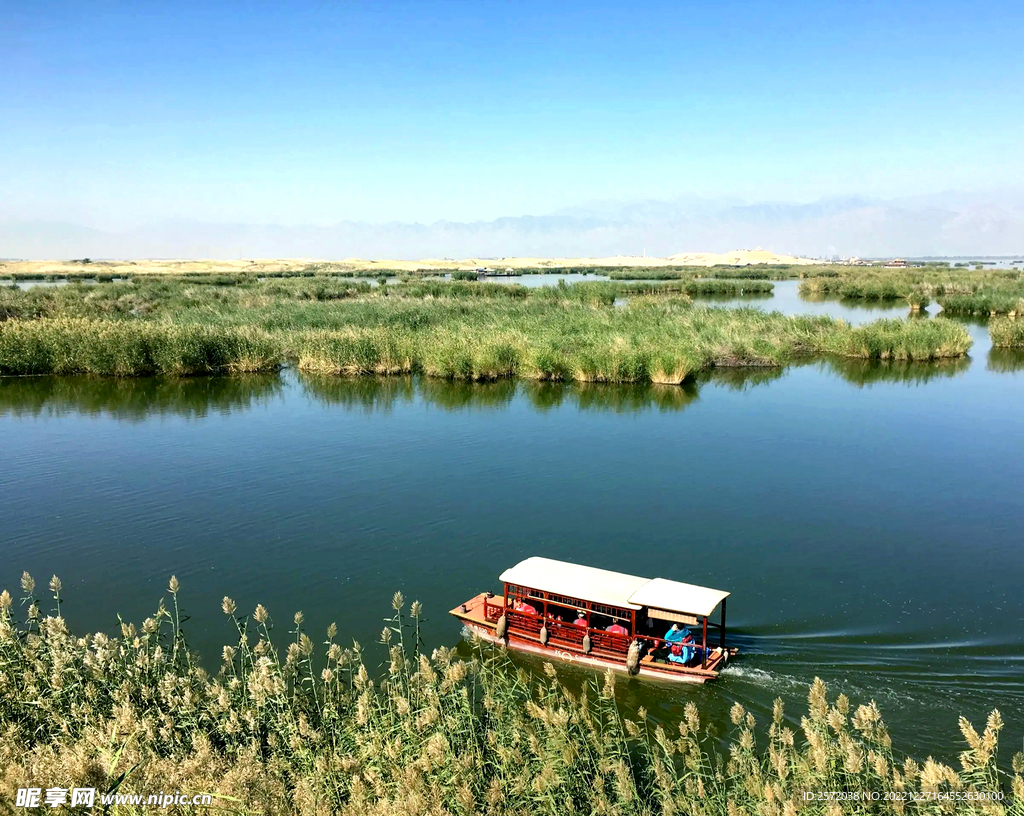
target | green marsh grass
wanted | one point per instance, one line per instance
(959, 292)
(1007, 332)
(292, 722)
(651, 340)
(912, 340)
(986, 302)
(695, 288)
(448, 329)
(127, 349)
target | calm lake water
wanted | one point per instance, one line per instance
(865, 518)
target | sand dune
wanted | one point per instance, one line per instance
(743, 257)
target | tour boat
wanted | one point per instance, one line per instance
(604, 620)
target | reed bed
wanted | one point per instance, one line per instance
(1007, 332)
(129, 349)
(959, 292)
(913, 340)
(699, 288)
(986, 302)
(449, 329)
(758, 272)
(284, 726)
(655, 340)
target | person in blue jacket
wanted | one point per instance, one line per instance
(680, 642)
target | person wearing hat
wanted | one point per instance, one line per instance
(617, 628)
(581, 619)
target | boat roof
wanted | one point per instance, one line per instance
(676, 596)
(612, 588)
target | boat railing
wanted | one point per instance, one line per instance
(561, 633)
(492, 611)
(610, 643)
(566, 633)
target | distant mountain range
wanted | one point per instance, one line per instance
(937, 225)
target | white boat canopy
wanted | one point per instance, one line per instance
(612, 588)
(674, 596)
(575, 581)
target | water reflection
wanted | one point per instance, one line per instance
(614, 398)
(742, 377)
(1006, 360)
(370, 394)
(135, 399)
(382, 394)
(868, 372)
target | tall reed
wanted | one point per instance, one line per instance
(121, 348)
(284, 726)
(450, 329)
(1007, 332)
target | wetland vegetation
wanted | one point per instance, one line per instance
(958, 292)
(284, 724)
(1007, 332)
(441, 328)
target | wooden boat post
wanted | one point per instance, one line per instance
(721, 632)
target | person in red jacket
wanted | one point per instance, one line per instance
(581, 619)
(525, 608)
(617, 628)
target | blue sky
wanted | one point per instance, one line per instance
(118, 114)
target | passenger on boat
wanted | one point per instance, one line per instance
(680, 642)
(617, 628)
(581, 619)
(525, 608)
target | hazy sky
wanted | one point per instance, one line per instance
(118, 114)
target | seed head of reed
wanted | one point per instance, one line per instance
(228, 606)
(260, 614)
(28, 583)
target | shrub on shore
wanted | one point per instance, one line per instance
(313, 731)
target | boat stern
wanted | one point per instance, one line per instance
(478, 611)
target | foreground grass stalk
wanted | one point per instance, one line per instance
(428, 734)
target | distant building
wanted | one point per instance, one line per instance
(897, 263)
